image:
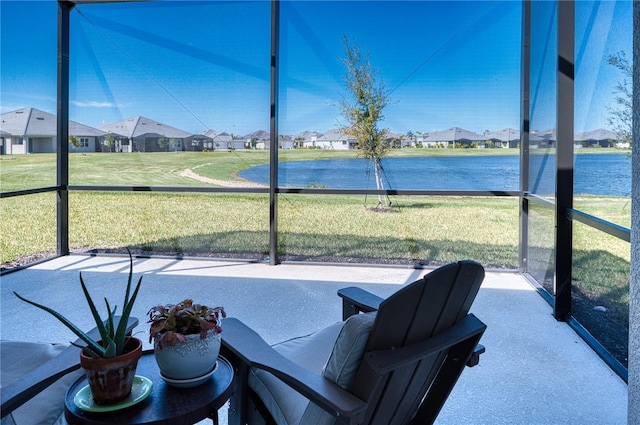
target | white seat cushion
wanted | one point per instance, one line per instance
(335, 352)
(19, 358)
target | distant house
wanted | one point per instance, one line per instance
(306, 139)
(507, 138)
(3, 135)
(422, 139)
(197, 143)
(285, 142)
(224, 140)
(543, 139)
(216, 139)
(335, 139)
(407, 141)
(238, 143)
(261, 139)
(397, 140)
(598, 138)
(140, 134)
(453, 136)
(30, 130)
(258, 139)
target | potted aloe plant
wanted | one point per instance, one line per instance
(114, 351)
(186, 338)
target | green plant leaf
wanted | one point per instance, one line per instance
(112, 338)
(126, 312)
(93, 345)
(96, 316)
(110, 349)
(109, 325)
(126, 308)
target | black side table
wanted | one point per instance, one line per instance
(166, 405)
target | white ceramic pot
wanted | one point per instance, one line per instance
(191, 359)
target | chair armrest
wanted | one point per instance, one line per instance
(356, 300)
(248, 347)
(31, 384)
(470, 328)
(475, 356)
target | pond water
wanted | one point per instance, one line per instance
(594, 174)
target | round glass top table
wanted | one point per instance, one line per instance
(165, 405)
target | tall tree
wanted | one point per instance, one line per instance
(363, 110)
(411, 136)
(620, 117)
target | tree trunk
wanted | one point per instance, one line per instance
(379, 183)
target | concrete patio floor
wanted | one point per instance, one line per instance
(535, 370)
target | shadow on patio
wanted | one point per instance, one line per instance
(535, 370)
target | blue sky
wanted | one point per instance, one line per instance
(198, 65)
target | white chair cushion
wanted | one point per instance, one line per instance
(19, 358)
(335, 352)
(311, 352)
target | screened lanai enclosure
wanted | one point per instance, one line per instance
(218, 129)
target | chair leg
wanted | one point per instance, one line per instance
(238, 401)
(245, 408)
(257, 412)
(445, 381)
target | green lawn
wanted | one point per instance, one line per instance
(434, 229)
(335, 228)
(164, 169)
(428, 230)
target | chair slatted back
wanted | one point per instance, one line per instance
(417, 312)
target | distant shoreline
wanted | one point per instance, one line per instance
(224, 183)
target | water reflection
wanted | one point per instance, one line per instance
(595, 174)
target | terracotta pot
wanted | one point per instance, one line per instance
(111, 379)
